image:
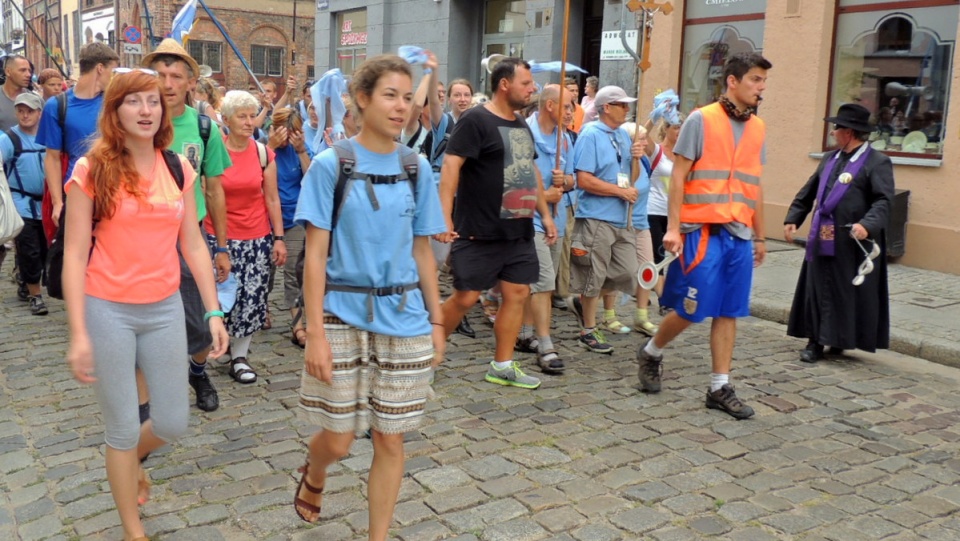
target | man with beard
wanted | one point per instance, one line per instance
(852, 188)
(715, 223)
(489, 167)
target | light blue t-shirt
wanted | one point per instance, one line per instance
(28, 175)
(373, 248)
(546, 160)
(81, 127)
(603, 152)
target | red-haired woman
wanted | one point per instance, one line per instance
(121, 281)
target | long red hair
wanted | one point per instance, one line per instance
(111, 165)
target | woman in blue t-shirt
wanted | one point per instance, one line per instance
(293, 159)
(370, 278)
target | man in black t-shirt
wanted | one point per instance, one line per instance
(489, 167)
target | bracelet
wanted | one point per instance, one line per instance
(213, 313)
(221, 250)
(764, 241)
(278, 237)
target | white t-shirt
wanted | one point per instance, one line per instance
(659, 182)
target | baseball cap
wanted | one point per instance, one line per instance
(612, 94)
(29, 99)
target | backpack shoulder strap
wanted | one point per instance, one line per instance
(172, 159)
(262, 154)
(656, 158)
(206, 127)
(416, 135)
(646, 165)
(16, 142)
(62, 120)
(409, 163)
(347, 162)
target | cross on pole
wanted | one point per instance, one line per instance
(647, 10)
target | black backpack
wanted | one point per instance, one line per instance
(410, 168)
(12, 172)
(55, 253)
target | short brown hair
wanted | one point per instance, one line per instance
(93, 54)
(288, 118)
(365, 78)
(47, 74)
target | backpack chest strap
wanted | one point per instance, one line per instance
(377, 292)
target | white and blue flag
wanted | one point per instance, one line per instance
(183, 22)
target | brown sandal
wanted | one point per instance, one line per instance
(299, 337)
(299, 502)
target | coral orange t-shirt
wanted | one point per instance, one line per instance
(134, 259)
(247, 216)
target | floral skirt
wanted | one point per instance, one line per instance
(250, 264)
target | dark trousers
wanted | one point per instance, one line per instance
(31, 251)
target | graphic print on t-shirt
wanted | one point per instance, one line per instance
(192, 153)
(519, 180)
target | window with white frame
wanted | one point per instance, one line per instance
(208, 53)
(897, 63)
(712, 33)
(266, 60)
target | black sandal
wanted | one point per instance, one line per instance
(238, 373)
(298, 502)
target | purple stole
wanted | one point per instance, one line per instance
(823, 228)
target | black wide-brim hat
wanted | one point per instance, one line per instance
(853, 116)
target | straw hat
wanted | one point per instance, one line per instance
(170, 46)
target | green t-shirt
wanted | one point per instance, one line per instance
(187, 141)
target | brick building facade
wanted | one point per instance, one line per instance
(263, 30)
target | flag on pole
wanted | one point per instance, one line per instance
(183, 22)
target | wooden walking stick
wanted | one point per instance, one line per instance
(563, 77)
(642, 55)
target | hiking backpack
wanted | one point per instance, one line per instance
(409, 167)
(12, 172)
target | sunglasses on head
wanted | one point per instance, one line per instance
(123, 71)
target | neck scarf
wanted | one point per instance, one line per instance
(735, 113)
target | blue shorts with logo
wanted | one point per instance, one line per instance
(717, 286)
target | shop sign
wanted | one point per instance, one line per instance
(611, 46)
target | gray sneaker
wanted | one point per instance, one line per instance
(511, 376)
(651, 369)
(725, 399)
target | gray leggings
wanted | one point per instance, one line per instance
(151, 337)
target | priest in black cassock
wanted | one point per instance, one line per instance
(850, 196)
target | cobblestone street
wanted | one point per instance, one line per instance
(862, 447)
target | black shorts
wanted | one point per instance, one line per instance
(658, 228)
(479, 264)
(198, 330)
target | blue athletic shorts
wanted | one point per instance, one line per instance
(718, 286)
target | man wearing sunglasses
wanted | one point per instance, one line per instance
(850, 195)
(603, 246)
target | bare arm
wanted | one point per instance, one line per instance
(681, 167)
(54, 173)
(759, 234)
(271, 195)
(318, 359)
(449, 182)
(217, 210)
(590, 183)
(76, 254)
(418, 97)
(197, 256)
(429, 286)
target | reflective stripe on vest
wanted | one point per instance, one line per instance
(724, 184)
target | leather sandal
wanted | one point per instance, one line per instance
(238, 373)
(299, 337)
(299, 503)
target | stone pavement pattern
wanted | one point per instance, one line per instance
(863, 447)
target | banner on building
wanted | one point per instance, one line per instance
(611, 46)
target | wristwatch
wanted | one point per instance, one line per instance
(221, 250)
(277, 237)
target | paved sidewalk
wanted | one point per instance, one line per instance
(924, 305)
(855, 448)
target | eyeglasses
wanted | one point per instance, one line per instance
(123, 71)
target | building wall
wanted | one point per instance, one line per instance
(795, 102)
